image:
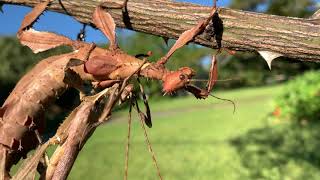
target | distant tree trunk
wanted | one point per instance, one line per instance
(245, 31)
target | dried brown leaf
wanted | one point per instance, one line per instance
(105, 23)
(184, 38)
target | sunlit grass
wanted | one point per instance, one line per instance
(189, 136)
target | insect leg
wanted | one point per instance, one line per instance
(128, 142)
(213, 76)
(149, 53)
(146, 104)
(187, 36)
(142, 117)
(105, 84)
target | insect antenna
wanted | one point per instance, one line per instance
(142, 117)
(205, 80)
(233, 103)
(126, 166)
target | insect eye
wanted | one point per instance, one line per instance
(182, 77)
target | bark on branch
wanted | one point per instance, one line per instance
(245, 31)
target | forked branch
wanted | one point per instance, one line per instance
(246, 31)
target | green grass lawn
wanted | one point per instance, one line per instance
(190, 138)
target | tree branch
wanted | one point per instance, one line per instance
(245, 31)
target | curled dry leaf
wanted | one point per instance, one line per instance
(105, 23)
(213, 76)
(184, 38)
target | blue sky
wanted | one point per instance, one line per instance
(12, 16)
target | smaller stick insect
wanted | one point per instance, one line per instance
(199, 93)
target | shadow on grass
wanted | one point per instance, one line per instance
(281, 152)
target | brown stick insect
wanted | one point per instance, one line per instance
(22, 113)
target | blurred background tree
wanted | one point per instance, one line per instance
(287, 146)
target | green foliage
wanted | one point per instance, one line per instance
(190, 139)
(280, 152)
(287, 147)
(295, 8)
(15, 61)
(299, 101)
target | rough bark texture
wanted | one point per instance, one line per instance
(246, 31)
